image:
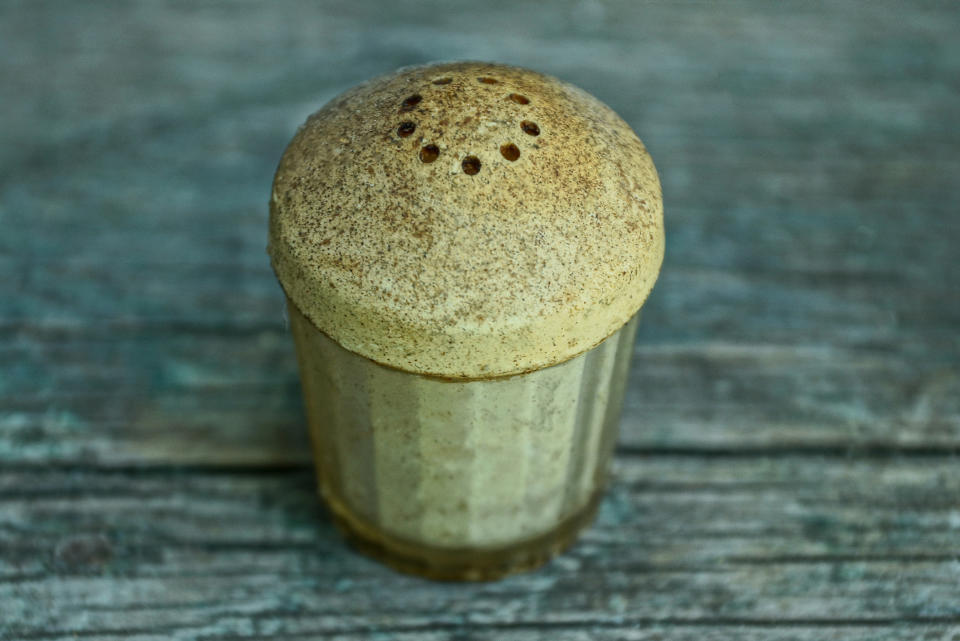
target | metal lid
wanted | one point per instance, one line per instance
(466, 220)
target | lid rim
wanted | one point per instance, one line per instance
(446, 378)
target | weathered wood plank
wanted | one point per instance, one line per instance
(120, 395)
(788, 461)
(770, 547)
(808, 158)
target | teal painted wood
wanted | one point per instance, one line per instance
(787, 465)
(722, 547)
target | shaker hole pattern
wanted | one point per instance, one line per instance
(470, 164)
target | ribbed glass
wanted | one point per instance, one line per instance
(461, 479)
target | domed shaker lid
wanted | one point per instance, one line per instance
(466, 220)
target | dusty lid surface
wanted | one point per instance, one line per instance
(466, 220)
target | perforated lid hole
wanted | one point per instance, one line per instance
(429, 153)
(471, 165)
(509, 151)
(530, 127)
(410, 102)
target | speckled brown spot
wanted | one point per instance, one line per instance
(519, 99)
(487, 80)
(406, 128)
(510, 151)
(443, 81)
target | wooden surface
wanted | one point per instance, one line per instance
(789, 461)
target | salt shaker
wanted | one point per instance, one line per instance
(464, 249)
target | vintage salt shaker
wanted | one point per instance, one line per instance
(464, 249)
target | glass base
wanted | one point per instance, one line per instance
(461, 564)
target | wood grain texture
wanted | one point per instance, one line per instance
(789, 461)
(684, 543)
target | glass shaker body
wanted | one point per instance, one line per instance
(461, 479)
